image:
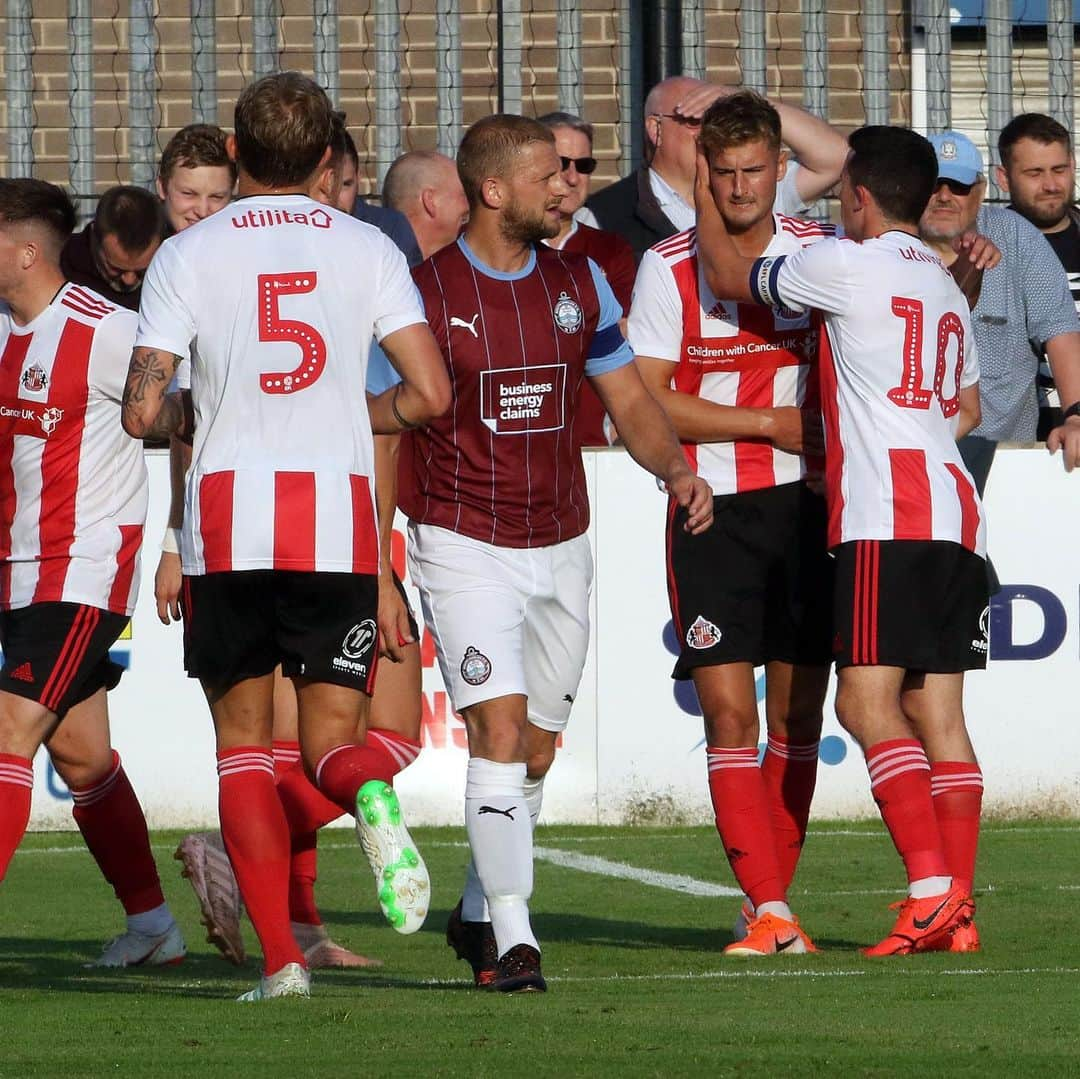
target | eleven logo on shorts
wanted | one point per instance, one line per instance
(523, 400)
(357, 649)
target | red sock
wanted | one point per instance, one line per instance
(741, 804)
(957, 788)
(345, 769)
(257, 841)
(900, 784)
(112, 823)
(789, 772)
(16, 786)
(306, 810)
(400, 751)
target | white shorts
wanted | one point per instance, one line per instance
(505, 620)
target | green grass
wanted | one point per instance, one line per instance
(637, 982)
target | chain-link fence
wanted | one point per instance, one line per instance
(94, 88)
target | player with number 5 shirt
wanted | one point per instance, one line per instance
(280, 548)
(899, 384)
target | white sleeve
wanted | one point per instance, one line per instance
(166, 319)
(114, 338)
(397, 303)
(820, 276)
(655, 326)
(788, 200)
(182, 379)
(584, 216)
(970, 373)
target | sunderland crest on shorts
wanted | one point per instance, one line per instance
(475, 667)
(567, 313)
(702, 634)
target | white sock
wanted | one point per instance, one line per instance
(925, 887)
(534, 798)
(776, 908)
(151, 923)
(474, 906)
(500, 835)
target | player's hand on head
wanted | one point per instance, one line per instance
(395, 632)
(167, 582)
(694, 105)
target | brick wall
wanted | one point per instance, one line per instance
(602, 93)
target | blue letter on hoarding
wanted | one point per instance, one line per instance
(1055, 623)
(55, 784)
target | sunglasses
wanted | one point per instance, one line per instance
(955, 186)
(584, 165)
(684, 121)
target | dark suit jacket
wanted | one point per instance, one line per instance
(629, 207)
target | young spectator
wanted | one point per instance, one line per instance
(195, 177)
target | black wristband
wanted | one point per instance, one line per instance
(1072, 410)
(405, 424)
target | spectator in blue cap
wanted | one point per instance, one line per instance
(1023, 309)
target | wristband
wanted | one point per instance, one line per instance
(170, 542)
(405, 425)
(1072, 410)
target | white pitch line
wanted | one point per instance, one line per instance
(674, 882)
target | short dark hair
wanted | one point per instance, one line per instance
(26, 200)
(196, 146)
(897, 166)
(131, 214)
(553, 120)
(1031, 125)
(737, 119)
(490, 146)
(283, 126)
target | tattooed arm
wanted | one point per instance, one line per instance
(146, 410)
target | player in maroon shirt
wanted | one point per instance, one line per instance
(498, 507)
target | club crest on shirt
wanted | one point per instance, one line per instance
(702, 634)
(34, 379)
(567, 314)
(475, 667)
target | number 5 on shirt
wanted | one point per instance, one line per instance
(272, 327)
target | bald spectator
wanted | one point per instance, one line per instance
(112, 253)
(1024, 307)
(426, 188)
(614, 256)
(657, 199)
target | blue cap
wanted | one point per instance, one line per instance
(958, 157)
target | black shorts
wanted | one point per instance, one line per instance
(242, 624)
(757, 586)
(58, 653)
(918, 604)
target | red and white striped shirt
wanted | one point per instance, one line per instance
(278, 298)
(72, 483)
(735, 354)
(898, 350)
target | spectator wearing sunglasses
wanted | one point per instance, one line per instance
(657, 199)
(1024, 308)
(614, 256)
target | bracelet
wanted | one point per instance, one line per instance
(1072, 410)
(405, 424)
(170, 542)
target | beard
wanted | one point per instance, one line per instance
(519, 226)
(1043, 215)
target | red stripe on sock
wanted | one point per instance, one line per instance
(16, 788)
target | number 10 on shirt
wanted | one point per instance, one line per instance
(911, 392)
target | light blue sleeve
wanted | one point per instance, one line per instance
(381, 375)
(608, 349)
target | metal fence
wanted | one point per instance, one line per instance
(94, 88)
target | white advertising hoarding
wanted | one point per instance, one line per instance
(634, 748)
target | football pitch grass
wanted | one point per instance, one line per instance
(632, 921)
